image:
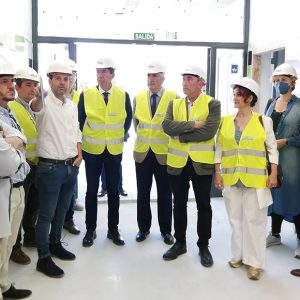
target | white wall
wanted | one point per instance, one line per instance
(274, 25)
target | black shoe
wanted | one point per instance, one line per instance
(116, 237)
(176, 250)
(102, 193)
(206, 258)
(59, 251)
(89, 237)
(168, 238)
(48, 267)
(141, 235)
(71, 227)
(123, 192)
(13, 293)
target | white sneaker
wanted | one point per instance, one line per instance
(297, 251)
(273, 240)
(78, 206)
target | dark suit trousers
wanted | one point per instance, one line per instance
(180, 185)
(93, 168)
(144, 177)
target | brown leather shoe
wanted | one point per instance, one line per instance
(71, 227)
(296, 272)
(19, 257)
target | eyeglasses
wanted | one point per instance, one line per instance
(7, 81)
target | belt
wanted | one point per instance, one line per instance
(68, 161)
(18, 184)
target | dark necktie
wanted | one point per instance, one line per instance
(13, 121)
(153, 104)
(105, 96)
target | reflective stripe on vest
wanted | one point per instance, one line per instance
(32, 140)
(202, 148)
(245, 161)
(152, 141)
(150, 126)
(202, 152)
(32, 154)
(103, 142)
(244, 170)
(28, 124)
(104, 126)
(178, 152)
(244, 152)
(149, 130)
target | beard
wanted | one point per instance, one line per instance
(8, 99)
(9, 96)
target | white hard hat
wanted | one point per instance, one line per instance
(72, 65)
(27, 73)
(155, 67)
(285, 69)
(247, 83)
(59, 67)
(6, 67)
(194, 70)
(105, 63)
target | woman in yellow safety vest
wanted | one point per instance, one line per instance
(242, 175)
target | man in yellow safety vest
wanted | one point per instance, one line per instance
(105, 116)
(150, 153)
(27, 81)
(192, 122)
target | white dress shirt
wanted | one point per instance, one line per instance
(58, 129)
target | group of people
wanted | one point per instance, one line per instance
(178, 140)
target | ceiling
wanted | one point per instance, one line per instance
(120, 18)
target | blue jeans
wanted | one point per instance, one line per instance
(55, 183)
(70, 211)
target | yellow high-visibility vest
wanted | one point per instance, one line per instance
(202, 152)
(247, 160)
(28, 124)
(104, 125)
(149, 130)
(75, 97)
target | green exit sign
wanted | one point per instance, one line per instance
(144, 36)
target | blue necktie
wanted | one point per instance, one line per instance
(105, 96)
(153, 104)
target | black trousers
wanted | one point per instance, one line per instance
(144, 177)
(180, 185)
(93, 168)
(31, 209)
(277, 222)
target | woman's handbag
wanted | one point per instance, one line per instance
(279, 170)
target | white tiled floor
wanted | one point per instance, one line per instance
(138, 272)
